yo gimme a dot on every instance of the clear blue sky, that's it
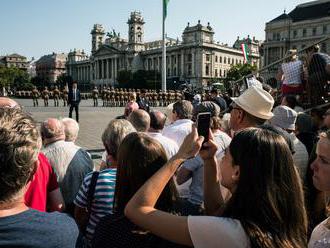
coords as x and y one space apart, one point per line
39 27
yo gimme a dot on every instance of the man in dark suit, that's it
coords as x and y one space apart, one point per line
142 101
74 100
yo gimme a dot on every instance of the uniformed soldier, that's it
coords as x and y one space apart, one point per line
45 96
95 95
35 95
56 96
65 95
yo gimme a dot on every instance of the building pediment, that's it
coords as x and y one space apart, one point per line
106 50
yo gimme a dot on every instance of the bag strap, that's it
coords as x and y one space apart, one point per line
91 191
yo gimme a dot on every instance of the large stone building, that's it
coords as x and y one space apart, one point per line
14 60
306 24
197 58
50 67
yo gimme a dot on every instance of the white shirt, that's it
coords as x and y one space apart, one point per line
320 236
215 232
171 148
178 130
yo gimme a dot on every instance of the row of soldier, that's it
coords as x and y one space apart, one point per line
111 97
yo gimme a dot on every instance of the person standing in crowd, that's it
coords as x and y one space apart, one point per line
291 74
140 119
71 163
292 102
95 95
139 157
285 118
131 105
45 96
266 208
74 100
215 97
102 203
181 126
35 96
157 124
142 101
194 168
321 180
251 109
21 226
43 192
318 68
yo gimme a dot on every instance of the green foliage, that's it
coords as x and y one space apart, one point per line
237 72
63 80
140 79
14 77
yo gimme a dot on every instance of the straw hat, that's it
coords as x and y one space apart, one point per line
256 102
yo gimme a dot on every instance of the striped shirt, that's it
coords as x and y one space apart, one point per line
103 197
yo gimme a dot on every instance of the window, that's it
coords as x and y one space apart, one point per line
189 70
208 56
294 33
314 31
189 57
207 70
220 73
325 29
220 59
216 59
216 72
229 61
304 32
225 60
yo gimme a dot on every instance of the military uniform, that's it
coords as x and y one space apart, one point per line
35 95
56 96
45 96
95 95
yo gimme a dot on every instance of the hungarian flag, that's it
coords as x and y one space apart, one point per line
245 50
165 3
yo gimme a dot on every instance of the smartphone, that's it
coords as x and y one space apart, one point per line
203 125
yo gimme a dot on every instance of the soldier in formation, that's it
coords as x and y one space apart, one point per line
56 96
45 96
35 96
65 95
95 95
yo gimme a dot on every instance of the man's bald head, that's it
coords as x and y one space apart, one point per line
140 119
6 102
52 130
157 120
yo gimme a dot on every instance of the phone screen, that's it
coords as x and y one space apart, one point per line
203 125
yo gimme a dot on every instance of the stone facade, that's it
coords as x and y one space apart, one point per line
50 67
197 58
15 60
306 24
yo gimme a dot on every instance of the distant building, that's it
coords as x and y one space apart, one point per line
50 67
197 58
14 60
306 24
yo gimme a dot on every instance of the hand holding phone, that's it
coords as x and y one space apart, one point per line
203 125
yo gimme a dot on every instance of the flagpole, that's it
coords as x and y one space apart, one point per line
164 51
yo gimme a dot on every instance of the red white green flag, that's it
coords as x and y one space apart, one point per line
245 50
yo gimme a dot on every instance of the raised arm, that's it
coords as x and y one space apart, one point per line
213 199
141 208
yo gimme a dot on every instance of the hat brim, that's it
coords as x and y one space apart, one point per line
264 116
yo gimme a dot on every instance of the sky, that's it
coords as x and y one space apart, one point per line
38 27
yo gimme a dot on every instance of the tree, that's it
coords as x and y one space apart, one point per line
14 77
237 72
123 78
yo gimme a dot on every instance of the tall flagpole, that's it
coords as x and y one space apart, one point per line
164 49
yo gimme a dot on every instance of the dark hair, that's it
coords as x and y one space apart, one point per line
157 122
140 157
20 143
291 100
268 199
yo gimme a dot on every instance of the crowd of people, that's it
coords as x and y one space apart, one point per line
261 179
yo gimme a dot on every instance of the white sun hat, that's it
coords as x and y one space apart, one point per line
256 102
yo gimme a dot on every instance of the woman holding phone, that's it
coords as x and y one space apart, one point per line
266 208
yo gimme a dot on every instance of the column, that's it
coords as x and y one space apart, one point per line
182 63
193 63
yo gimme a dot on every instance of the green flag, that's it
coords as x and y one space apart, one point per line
165 3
